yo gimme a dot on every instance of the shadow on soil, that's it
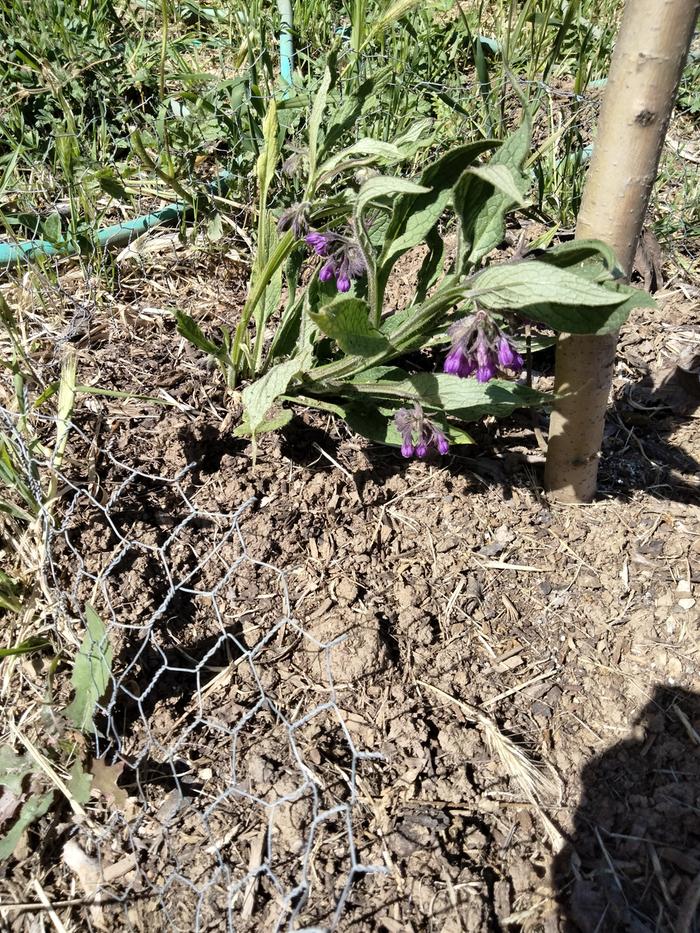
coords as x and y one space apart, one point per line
633 863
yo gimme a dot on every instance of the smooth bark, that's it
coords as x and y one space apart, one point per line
647 63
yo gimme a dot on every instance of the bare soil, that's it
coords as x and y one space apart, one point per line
255 738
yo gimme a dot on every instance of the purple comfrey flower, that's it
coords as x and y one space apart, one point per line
296 219
480 347
414 425
345 261
508 357
327 271
319 242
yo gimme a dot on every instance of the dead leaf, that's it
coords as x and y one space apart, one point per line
84 866
104 779
9 803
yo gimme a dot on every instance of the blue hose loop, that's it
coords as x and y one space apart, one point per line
12 254
286 42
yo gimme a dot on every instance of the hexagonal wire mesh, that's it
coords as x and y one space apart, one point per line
225 808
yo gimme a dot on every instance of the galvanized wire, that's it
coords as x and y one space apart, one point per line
206 829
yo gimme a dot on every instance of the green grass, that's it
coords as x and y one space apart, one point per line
193 78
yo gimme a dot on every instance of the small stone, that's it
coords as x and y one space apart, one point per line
541 710
687 603
347 590
589 581
406 596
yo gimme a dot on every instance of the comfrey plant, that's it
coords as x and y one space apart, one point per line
334 347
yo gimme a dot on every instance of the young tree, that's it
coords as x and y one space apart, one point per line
647 63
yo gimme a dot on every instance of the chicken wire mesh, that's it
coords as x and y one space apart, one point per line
237 799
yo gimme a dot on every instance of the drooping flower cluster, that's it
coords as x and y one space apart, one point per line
344 258
418 433
296 219
479 347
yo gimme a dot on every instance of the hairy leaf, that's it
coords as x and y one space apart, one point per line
91 672
190 330
347 112
347 322
267 160
581 252
523 284
34 808
415 214
13 769
378 188
259 397
502 179
272 424
377 424
482 205
80 782
466 399
379 151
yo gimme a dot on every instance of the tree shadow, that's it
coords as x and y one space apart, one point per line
633 862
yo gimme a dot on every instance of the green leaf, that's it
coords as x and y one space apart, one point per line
376 423
111 184
377 188
52 228
91 672
257 289
521 284
190 330
500 178
35 643
11 604
272 424
581 252
378 151
481 205
393 13
267 160
347 322
215 228
259 397
415 137
34 808
268 243
465 399
10 509
316 118
431 266
414 215
344 114
80 782
13 769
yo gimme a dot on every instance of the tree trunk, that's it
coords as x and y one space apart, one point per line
647 63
